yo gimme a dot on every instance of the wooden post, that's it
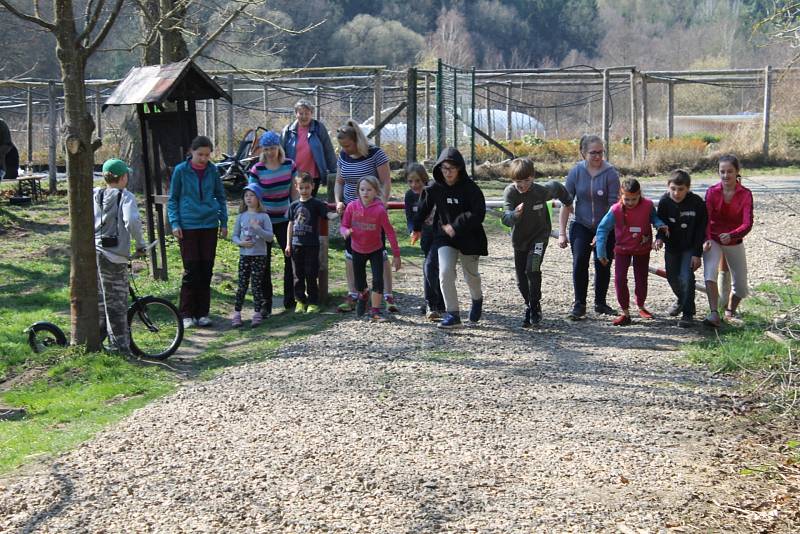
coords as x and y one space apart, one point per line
29 128
767 105
206 117
98 113
606 113
427 116
644 116
324 241
411 116
670 110
214 119
509 127
316 102
634 122
230 116
52 169
265 91
377 104
488 113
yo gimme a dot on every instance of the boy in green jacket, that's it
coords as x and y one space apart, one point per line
525 210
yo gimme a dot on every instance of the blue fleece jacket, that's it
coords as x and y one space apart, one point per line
196 203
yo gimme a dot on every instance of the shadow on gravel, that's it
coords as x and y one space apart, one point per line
64 497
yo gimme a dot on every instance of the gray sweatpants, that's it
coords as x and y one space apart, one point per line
113 279
448 256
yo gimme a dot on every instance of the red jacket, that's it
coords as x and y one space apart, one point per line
735 218
367 224
632 231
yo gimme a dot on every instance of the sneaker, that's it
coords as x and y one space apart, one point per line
526 322
578 312
188 322
475 311
675 309
204 321
712 320
348 305
451 320
257 319
644 314
312 308
236 319
391 305
687 321
604 309
433 315
536 314
300 308
376 316
622 320
361 306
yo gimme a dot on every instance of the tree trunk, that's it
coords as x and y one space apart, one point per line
78 129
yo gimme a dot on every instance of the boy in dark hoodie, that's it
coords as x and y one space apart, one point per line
525 211
458 232
685 215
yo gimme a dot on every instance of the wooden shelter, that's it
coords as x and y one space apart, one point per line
164 96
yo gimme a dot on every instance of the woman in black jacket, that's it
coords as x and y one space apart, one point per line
458 232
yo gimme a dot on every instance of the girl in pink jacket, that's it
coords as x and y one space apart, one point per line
730 218
365 221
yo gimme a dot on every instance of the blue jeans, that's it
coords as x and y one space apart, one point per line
580 238
430 270
681 279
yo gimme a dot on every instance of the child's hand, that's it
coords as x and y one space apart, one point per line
563 241
449 230
340 207
665 229
396 263
288 251
518 209
594 242
695 262
415 237
604 262
724 238
706 246
657 244
246 244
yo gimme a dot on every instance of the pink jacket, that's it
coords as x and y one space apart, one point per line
736 218
367 224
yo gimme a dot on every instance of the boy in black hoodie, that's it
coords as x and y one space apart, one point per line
685 215
458 232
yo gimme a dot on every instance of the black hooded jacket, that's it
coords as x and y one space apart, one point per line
461 205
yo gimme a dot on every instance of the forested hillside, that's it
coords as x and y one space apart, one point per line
484 33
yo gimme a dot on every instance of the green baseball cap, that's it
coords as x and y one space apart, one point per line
117 167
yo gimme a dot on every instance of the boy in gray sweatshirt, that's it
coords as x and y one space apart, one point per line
525 211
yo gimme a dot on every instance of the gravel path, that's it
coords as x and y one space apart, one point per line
403 428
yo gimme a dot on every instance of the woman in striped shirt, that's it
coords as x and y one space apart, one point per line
274 174
358 159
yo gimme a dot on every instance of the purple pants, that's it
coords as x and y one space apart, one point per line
621 264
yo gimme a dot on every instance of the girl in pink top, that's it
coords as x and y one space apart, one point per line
730 218
363 221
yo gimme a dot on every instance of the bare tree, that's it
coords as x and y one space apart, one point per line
451 41
783 25
78 35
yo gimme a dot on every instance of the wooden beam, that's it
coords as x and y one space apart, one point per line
375 132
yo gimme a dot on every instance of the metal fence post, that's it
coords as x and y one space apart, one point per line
52 169
440 112
427 117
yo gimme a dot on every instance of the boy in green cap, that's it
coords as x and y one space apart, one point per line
116 220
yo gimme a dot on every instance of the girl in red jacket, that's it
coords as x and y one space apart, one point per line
730 218
630 219
363 221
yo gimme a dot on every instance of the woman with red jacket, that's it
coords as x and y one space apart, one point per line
730 218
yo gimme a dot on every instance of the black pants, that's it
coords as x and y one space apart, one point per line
279 229
580 238
250 268
305 261
375 259
528 267
198 249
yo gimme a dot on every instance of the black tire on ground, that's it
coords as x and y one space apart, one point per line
43 336
156 328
